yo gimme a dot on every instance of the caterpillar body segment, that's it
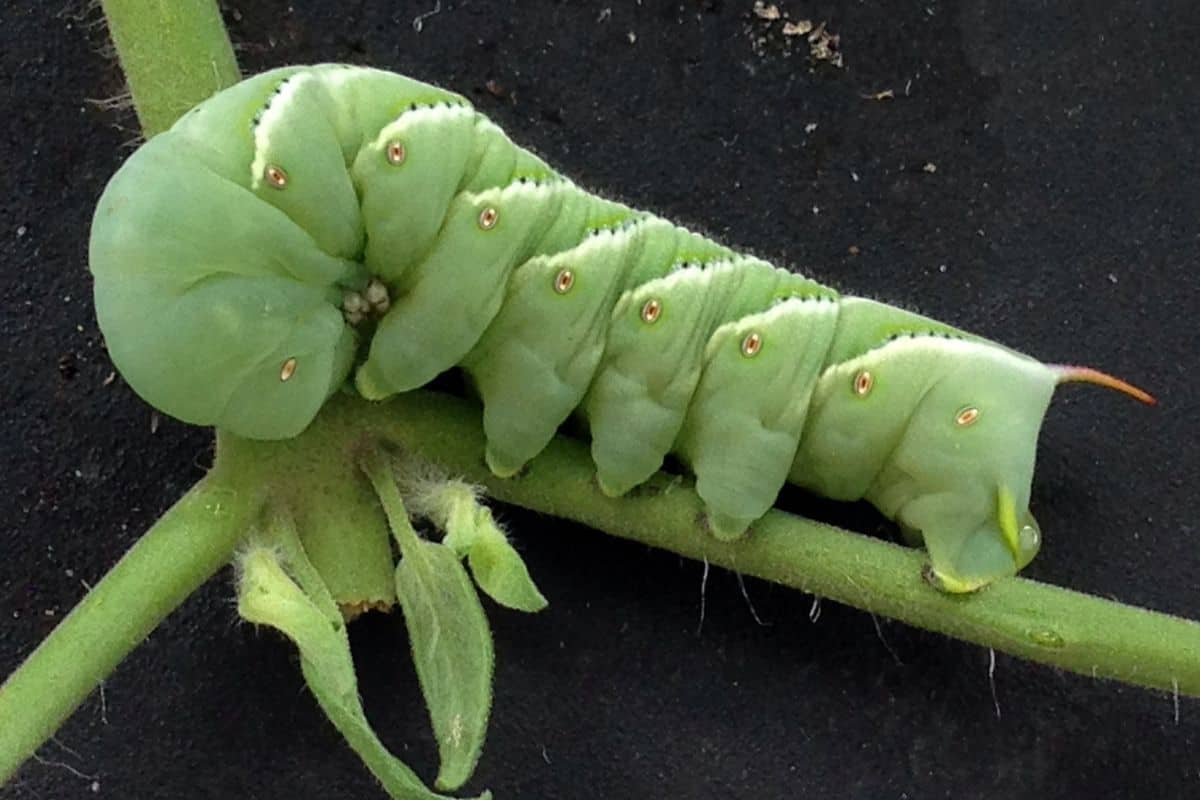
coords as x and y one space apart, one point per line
740 443
311 227
532 381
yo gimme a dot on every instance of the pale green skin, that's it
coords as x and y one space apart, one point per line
209 279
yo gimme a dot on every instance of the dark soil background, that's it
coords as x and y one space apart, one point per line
1063 217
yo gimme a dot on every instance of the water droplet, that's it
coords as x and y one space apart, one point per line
1030 538
1046 638
220 503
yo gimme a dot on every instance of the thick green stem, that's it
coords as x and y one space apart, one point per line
1066 629
174 53
194 539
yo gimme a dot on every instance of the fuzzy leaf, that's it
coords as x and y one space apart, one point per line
499 569
457 513
449 634
267 595
452 651
472 532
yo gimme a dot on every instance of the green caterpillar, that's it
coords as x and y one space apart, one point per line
314 225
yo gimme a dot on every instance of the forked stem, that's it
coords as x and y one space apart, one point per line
174 54
193 540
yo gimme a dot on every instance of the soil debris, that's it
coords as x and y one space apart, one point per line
496 89
823 45
767 11
798 28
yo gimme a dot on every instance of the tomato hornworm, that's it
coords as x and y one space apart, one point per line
317 228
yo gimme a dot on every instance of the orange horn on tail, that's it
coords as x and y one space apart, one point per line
1071 374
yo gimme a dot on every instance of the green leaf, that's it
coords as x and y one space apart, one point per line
267 595
499 569
456 513
449 634
472 532
452 651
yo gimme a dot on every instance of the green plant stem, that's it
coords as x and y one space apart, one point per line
174 53
1043 623
194 539
378 469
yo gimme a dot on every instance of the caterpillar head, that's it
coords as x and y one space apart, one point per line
216 310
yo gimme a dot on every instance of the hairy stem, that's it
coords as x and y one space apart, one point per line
378 468
194 539
174 54
1043 623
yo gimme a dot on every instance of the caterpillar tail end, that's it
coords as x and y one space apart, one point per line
1068 373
